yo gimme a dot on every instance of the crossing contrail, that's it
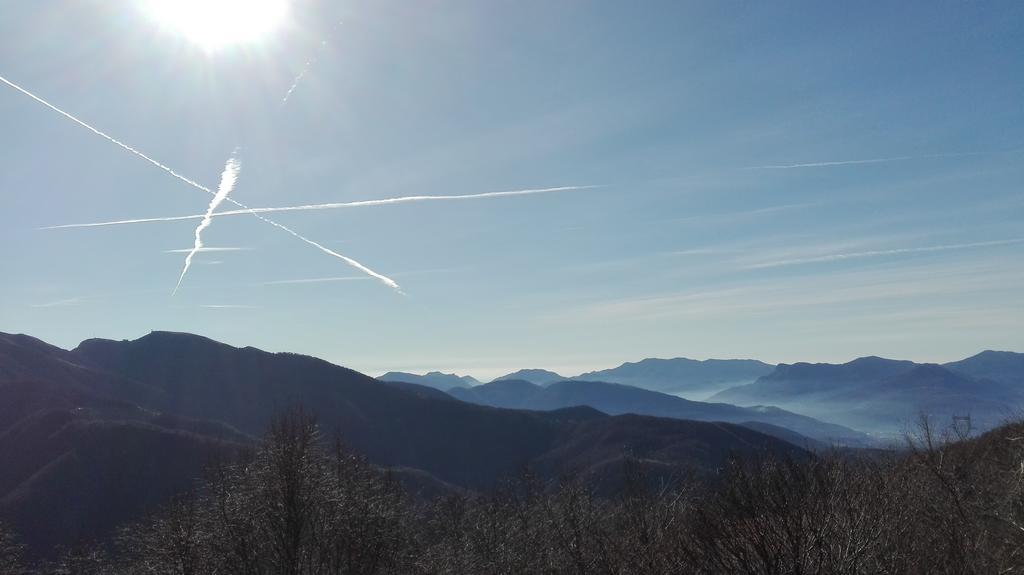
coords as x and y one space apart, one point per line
384 279
328 206
227 183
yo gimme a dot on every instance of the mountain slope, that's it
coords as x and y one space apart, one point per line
681 376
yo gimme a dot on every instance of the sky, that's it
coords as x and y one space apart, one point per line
788 181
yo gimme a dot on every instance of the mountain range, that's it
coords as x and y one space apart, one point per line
884 397
690 378
95 436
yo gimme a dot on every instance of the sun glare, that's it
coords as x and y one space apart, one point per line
215 24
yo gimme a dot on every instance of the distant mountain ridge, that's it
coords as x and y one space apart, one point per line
694 379
890 395
1005 367
691 378
535 376
435 379
618 399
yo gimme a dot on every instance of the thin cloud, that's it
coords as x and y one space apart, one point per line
717 218
59 303
384 279
228 178
228 306
704 251
890 252
857 162
314 280
906 287
328 206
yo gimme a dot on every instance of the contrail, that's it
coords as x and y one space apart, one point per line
295 84
227 183
897 251
384 279
306 68
302 74
855 162
387 281
108 137
329 206
205 249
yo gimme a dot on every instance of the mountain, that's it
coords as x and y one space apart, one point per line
93 437
882 395
803 380
1004 367
420 390
680 376
79 455
599 450
536 376
435 379
507 393
617 399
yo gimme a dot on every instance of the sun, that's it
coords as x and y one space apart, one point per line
215 24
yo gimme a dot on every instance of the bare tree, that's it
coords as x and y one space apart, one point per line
10 552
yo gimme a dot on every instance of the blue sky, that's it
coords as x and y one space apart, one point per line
785 181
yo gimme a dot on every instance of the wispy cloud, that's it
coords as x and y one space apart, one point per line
314 280
228 178
905 287
59 303
384 279
890 252
718 218
857 162
228 306
712 251
327 206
